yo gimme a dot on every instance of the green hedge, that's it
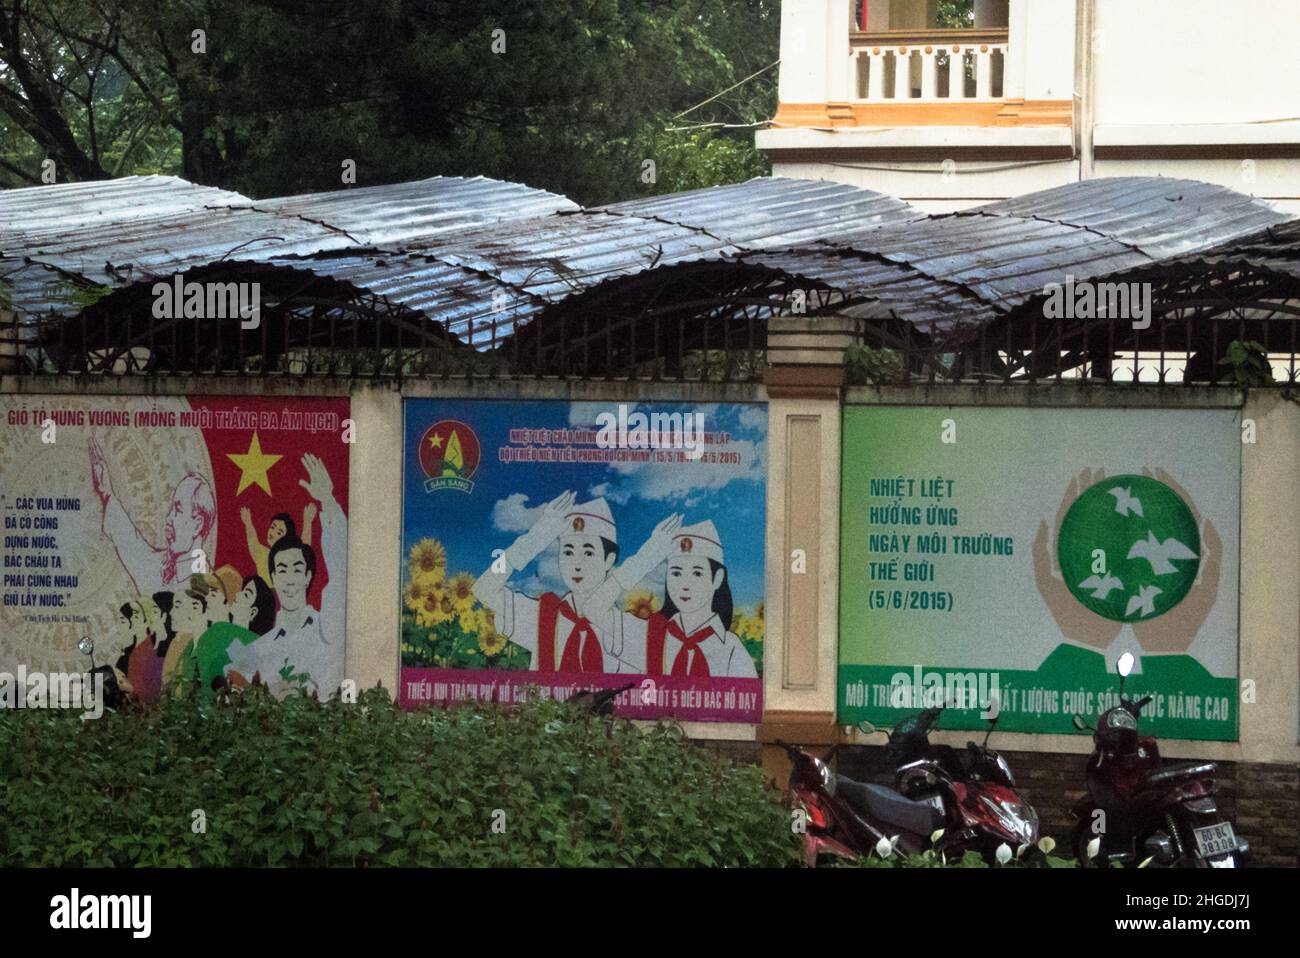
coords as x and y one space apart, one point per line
366 784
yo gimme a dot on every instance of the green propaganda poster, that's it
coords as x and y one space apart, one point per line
1012 555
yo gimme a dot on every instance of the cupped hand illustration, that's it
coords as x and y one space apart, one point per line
1076 621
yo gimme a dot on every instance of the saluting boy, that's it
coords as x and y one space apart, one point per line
582 630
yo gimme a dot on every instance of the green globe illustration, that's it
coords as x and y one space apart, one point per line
1129 548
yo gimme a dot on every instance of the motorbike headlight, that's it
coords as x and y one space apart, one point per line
1016 818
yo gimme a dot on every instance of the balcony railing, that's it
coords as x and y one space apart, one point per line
929 66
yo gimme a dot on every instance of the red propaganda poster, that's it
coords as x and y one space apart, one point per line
198 540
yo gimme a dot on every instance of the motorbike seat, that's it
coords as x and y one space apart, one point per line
889 807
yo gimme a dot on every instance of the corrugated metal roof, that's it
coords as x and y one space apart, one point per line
468 254
395 214
35 213
977 263
463 278
770 212
117 232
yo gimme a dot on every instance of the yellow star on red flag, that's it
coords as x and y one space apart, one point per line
254 466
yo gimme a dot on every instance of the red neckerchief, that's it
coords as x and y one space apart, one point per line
582 651
699 666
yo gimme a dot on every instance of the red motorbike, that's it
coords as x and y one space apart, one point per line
847 819
973 788
1140 810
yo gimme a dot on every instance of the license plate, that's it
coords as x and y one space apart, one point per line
935 800
1215 839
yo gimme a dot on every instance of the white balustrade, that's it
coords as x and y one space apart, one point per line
929 72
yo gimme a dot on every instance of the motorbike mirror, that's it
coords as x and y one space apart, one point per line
866 728
1126 662
86 646
1079 723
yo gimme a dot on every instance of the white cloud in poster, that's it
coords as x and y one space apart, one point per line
513 514
659 483
610 492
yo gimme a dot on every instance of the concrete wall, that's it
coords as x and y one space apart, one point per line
803 514
1197 61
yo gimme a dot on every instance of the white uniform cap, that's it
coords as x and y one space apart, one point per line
700 539
591 519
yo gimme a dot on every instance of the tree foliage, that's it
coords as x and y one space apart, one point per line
273 95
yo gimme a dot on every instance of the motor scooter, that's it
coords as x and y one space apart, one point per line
973 788
846 819
1141 811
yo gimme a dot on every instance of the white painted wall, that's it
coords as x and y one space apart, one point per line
815 63
1043 35
1197 61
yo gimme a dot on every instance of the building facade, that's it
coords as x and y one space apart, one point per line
948 105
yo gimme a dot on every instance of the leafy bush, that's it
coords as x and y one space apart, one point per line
1247 363
366 784
865 366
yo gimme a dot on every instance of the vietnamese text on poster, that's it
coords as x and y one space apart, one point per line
198 540
1015 554
565 546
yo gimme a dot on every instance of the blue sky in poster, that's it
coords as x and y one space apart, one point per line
497 509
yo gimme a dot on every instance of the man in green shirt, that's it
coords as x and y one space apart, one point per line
249 613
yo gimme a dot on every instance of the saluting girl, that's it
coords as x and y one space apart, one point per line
689 636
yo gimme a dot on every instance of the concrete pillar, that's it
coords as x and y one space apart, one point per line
991 13
805 42
800 656
374 538
839 81
1270 578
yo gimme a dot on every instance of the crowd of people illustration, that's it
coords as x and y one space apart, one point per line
191 627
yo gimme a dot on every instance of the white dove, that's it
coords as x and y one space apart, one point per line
1144 602
1101 586
1126 502
1159 553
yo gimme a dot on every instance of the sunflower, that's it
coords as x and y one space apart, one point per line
468 620
461 590
641 602
435 608
491 643
415 593
428 560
